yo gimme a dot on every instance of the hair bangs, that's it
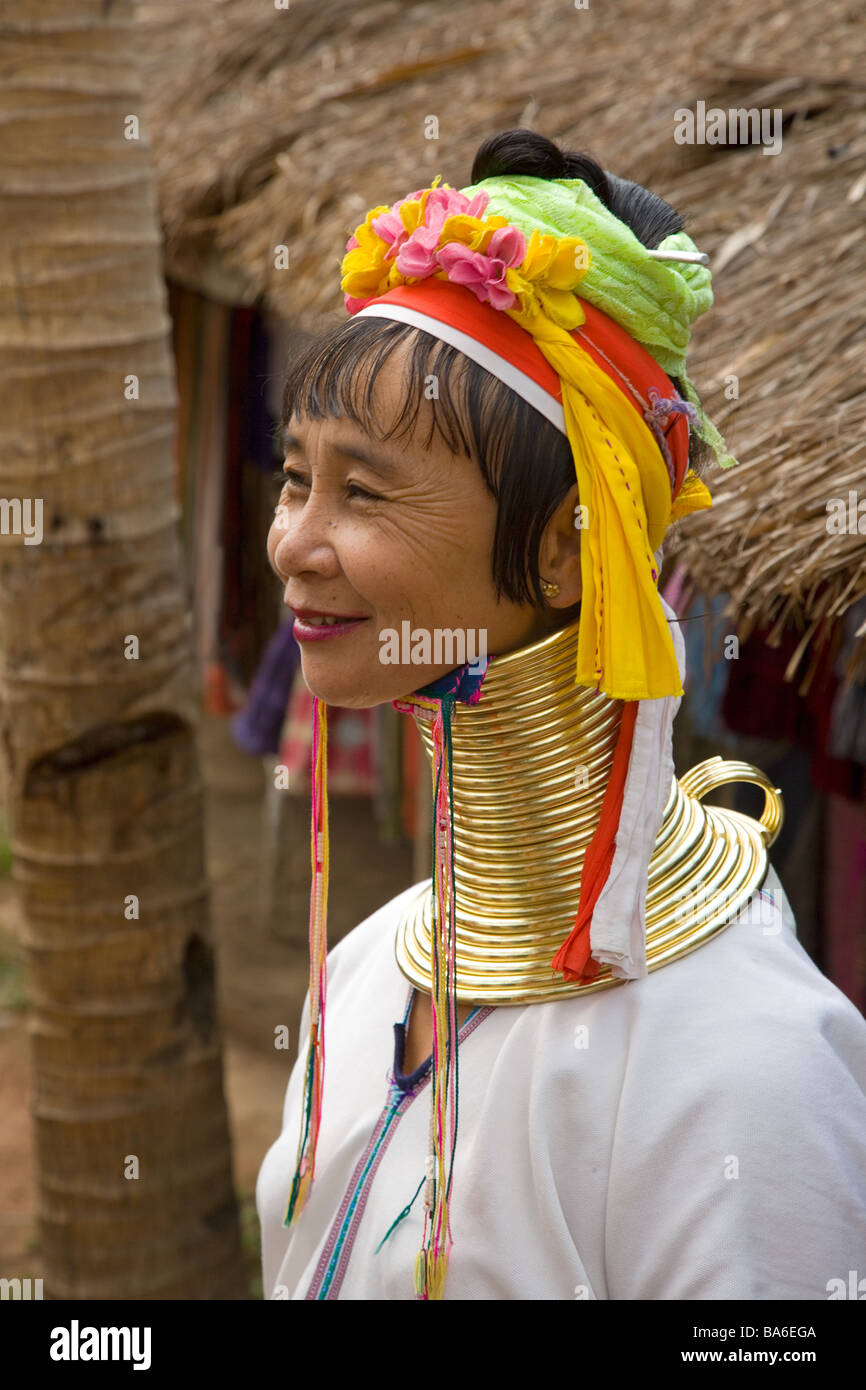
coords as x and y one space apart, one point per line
525 461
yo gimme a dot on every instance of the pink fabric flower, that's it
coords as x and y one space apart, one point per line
389 227
483 275
441 203
416 254
416 257
508 244
448 202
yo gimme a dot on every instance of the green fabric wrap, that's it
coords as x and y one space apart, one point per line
655 301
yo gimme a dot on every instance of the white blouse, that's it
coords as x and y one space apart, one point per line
697 1134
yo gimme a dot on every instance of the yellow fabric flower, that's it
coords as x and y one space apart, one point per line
363 267
470 231
561 262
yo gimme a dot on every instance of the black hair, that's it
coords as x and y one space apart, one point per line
526 462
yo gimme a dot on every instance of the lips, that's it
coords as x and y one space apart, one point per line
313 625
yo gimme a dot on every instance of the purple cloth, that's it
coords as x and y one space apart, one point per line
257 727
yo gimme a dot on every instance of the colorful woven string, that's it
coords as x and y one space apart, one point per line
432 1260
314 1076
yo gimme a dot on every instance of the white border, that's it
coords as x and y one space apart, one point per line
498 366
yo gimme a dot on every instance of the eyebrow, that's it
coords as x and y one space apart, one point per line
385 467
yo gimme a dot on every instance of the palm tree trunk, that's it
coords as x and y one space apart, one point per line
99 706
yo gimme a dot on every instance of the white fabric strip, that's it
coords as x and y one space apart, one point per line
617 933
498 366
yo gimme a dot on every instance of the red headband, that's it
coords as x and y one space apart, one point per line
624 360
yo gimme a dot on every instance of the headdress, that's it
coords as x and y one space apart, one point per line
538 282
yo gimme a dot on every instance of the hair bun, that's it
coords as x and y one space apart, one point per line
517 152
527 152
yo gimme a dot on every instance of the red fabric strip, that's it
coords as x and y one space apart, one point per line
457 305
573 959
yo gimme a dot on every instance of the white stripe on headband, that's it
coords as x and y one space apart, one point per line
500 367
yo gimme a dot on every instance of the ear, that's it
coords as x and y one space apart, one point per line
559 551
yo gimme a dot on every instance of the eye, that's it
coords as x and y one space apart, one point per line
362 492
289 477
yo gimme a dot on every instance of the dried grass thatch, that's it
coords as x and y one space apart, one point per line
282 127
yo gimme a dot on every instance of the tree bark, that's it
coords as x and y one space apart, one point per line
99 705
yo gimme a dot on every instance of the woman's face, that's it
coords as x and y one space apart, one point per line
403 537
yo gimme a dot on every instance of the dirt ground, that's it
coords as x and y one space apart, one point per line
258 856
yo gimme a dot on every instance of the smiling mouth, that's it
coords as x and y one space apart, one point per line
313 627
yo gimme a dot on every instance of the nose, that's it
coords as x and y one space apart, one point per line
303 536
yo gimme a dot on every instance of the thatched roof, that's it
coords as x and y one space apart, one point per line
282 127
791 324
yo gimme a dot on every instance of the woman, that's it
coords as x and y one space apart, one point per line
590 1060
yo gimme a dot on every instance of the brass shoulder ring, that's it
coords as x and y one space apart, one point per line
717 772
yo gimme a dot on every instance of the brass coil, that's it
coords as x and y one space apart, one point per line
531 762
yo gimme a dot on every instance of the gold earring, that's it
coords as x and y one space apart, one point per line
550 590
